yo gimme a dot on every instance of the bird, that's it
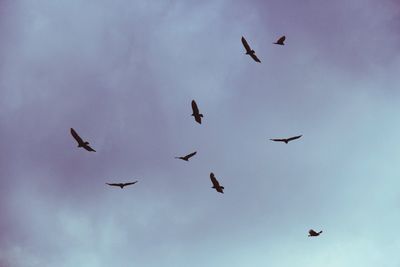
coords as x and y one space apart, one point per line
313 233
281 40
81 143
196 114
250 51
286 140
187 157
122 184
215 183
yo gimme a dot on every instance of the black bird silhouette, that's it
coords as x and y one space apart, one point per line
215 183
281 40
286 140
122 184
313 233
187 157
250 51
196 114
81 143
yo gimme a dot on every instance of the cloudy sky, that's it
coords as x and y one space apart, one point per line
123 74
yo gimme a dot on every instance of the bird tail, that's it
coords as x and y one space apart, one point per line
201 115
319 232
222 187
86 143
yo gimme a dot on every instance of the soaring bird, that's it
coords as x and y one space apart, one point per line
81 143
281 40
250 51
187 157
196 114
122 184
215 183
313 233
286 140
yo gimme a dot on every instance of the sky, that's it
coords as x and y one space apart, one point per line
123 73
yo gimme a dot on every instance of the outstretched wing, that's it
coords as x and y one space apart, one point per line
253 56
246 45
194 107
281 40
114 184
214 180
294 137
76 136
130 183
197 118
89 148
278 140
190 155
312 232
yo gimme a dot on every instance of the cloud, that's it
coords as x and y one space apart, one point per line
123 75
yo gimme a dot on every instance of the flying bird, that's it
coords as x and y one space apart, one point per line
215 183
196 114
81 143
286 140
187 157
250 51
313 233
122 184
281 40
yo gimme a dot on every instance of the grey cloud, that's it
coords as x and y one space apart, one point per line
123 75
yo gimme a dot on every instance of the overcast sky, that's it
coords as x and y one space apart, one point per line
122 73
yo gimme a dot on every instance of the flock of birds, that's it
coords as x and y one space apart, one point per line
198 118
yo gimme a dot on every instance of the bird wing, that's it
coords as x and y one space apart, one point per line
312 232
281 40
114 184
197 118
294 137
253 56
194 107
190 155
76 136
278 140
130 183
89 148
246 45
214 180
